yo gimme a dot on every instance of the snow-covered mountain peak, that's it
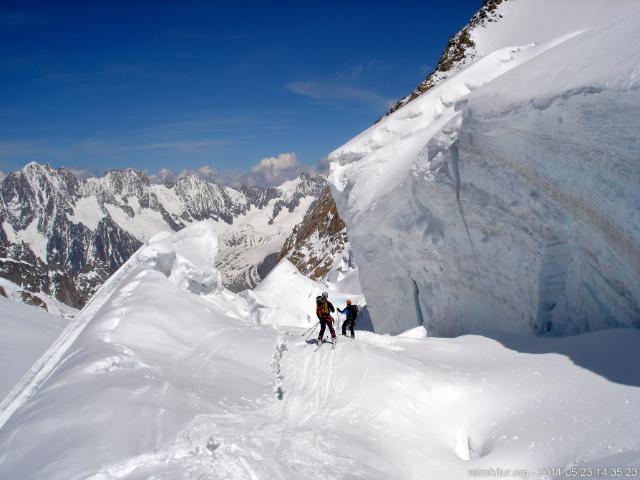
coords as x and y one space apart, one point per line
37 190
43 181
125 183
289 187
202 199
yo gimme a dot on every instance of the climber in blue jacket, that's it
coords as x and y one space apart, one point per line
351 311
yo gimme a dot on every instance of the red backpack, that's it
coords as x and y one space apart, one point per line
322 307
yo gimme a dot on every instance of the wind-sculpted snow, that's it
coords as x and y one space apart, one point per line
506 197
167 380
187 257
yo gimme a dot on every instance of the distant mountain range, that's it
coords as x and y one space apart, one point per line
64 237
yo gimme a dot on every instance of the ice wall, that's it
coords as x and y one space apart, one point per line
507 198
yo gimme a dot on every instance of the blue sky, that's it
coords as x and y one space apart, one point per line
220 85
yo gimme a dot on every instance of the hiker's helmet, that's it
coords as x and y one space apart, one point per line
325 294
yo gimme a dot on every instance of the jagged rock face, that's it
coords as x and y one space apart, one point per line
291 200
64 237
20 265
204 200
459 51
38 192
31 299
317 239
127 183
111 245
36 205
258 196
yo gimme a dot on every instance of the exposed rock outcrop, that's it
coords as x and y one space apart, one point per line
317 239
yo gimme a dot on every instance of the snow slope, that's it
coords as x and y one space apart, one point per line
505 198
287 297
171 379
27 331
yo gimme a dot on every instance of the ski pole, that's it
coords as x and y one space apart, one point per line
309 336
311 329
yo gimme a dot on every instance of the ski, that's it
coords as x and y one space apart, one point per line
333 344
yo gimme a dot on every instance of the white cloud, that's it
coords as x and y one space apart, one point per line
207 172
274 170
283 161
166 175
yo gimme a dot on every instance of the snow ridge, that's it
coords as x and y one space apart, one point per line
31 382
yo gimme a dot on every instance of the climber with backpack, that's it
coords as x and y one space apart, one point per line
324 308
351 311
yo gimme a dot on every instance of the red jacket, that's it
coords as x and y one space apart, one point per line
320 310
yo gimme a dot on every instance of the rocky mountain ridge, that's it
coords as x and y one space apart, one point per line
460 50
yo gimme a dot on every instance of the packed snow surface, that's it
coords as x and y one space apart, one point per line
27 331
506 197
172 378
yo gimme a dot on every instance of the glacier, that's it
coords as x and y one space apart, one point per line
506 197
